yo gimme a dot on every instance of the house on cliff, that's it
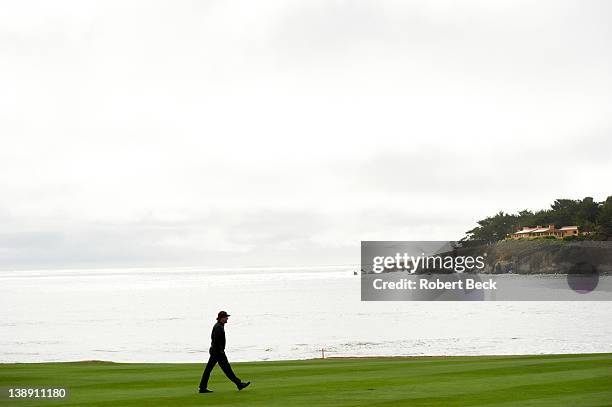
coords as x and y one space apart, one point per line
544 231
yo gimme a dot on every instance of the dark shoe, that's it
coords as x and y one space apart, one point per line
242 385
205 391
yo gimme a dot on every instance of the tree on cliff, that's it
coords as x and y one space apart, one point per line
588 215
493 228
604 220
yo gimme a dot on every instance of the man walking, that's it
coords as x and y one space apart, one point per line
217 355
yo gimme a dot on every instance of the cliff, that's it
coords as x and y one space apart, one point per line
549 256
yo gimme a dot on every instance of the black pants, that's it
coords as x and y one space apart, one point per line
216 357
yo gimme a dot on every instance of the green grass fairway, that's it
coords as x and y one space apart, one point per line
551 380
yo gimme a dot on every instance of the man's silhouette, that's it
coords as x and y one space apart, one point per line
217 355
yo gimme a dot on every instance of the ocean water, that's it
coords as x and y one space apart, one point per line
166 315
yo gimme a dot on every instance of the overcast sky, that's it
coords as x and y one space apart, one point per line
208 133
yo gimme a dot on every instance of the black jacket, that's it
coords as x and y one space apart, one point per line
217 339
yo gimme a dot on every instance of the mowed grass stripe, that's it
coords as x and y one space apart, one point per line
592 399
547 380
426 375
448 366
521 394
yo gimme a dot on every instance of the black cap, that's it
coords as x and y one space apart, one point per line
222 314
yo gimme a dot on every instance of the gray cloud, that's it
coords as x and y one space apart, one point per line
286 132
